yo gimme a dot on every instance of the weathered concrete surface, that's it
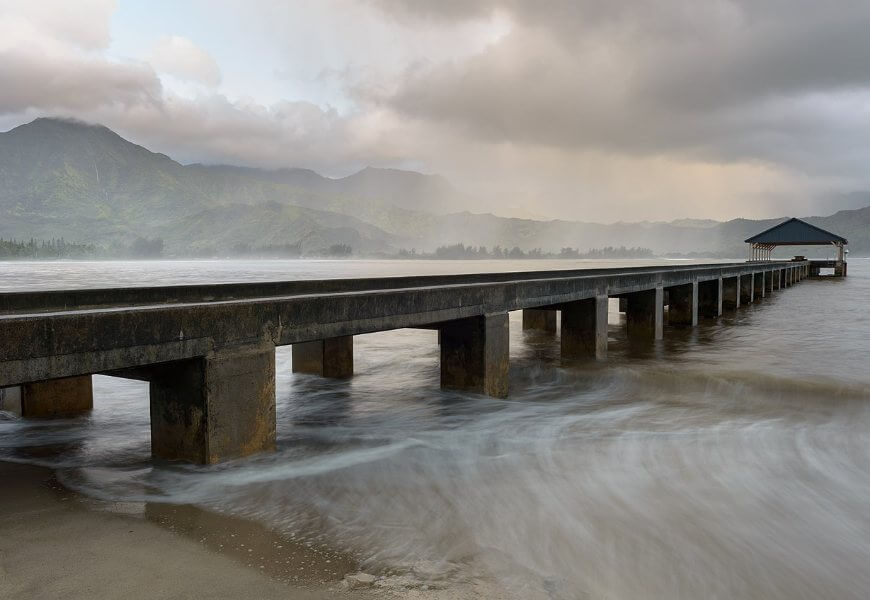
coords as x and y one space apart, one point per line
210 409
539 319
747 288
710 298
731 292
66 397
584 328
644 317
332 357
683 304
474 354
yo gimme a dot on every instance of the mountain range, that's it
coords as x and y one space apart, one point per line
85 183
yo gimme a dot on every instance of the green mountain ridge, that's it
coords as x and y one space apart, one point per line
61 178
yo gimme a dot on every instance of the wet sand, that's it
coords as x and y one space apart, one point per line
56 544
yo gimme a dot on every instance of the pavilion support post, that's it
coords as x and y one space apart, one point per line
540 319
731 292
746 288
210 409
475 354
331 357
584 328
645 314
683 304
710 298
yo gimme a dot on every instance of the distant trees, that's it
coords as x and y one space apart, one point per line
54 248
339 250
461 251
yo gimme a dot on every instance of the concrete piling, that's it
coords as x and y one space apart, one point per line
65 397
474 354
683 304
710 298
731 292
210 409
331 357
645 314
539 319
584 328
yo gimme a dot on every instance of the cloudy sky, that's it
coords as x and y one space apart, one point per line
580 109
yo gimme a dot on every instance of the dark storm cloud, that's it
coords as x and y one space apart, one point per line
727 80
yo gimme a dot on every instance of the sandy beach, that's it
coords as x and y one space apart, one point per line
57 544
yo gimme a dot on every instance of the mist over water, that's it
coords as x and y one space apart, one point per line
727 461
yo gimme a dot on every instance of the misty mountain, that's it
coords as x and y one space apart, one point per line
85 183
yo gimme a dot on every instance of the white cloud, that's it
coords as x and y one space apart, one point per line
180 57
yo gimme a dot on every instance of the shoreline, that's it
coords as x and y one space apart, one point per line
55 543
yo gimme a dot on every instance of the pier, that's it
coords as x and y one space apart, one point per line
208 352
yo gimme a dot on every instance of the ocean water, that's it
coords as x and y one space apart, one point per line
731 460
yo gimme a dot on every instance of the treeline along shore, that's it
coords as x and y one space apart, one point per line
144 248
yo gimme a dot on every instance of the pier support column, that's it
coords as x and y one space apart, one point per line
584 329
758 285
540 319
710 298
768 283
746 288
331 357
644 316
475 354
683 304
623 304
210 409
731 292
66 397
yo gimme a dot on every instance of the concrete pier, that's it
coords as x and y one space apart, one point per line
331 357
710 298
539 319
474 354
65 397
731 292
208 350
683 304
644 315
584 328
